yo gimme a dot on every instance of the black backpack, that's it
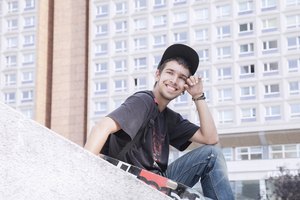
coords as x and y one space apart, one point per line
140 137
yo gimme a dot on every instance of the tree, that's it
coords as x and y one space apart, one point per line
285 185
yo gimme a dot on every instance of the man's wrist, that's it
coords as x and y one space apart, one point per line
199 97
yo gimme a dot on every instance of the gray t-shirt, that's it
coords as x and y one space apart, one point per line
169 129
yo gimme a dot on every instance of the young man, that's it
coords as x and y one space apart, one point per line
175 75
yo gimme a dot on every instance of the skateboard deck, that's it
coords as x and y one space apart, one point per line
169 187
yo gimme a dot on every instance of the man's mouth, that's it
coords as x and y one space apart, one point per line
171 88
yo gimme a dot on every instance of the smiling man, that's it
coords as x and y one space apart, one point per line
174 76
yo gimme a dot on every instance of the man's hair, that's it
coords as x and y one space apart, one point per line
179 60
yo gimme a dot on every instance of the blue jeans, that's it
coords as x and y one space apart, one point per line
206 164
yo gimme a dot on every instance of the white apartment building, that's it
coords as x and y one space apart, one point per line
249 58
17 50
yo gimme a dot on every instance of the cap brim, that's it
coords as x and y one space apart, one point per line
183 51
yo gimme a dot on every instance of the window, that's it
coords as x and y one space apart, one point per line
271 90
120 85
29 22
225 94
27 77
248 189
11 61
29 58
294 87
272 112
12 42
140 83
181 100
140 63
294 65
179 1
140 24
121 46
10 79
101 88
284 151
29 40
293 43
295 110
201 14
203 55
268 5
246 28
248 114
121 26
223 11
269 25
247 92
204 74
270 46
246 49
120 65
228 153
223 31
12 24
101 29
245 7
101 107
101 68
159 3
293 21
225 117
160 20
28 112
249 153
271 68
102 10
181 17
247 71
140 43
224 52
180 37
224 73
13 6
292 2
140 4
201 34
29 4
10 97
160 40
101 49
121 7
27 96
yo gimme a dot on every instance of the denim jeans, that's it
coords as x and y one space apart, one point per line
207 165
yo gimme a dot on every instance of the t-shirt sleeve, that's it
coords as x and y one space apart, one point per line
180 130
132 113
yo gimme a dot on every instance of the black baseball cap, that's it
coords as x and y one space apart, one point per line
182 51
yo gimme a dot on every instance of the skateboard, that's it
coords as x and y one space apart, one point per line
169 187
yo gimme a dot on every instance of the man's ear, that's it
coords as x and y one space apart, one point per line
157 75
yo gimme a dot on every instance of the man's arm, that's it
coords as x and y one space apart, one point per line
99 134
207 133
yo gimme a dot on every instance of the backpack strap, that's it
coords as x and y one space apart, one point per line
141 134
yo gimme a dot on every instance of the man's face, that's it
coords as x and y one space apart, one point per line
171 80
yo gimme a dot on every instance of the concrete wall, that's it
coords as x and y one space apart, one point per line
37 163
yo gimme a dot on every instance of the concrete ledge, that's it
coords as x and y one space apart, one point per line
37 163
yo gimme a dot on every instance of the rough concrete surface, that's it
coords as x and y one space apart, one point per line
37 163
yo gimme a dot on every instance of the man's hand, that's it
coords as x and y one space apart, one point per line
194 86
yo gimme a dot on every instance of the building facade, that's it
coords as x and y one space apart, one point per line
69 69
